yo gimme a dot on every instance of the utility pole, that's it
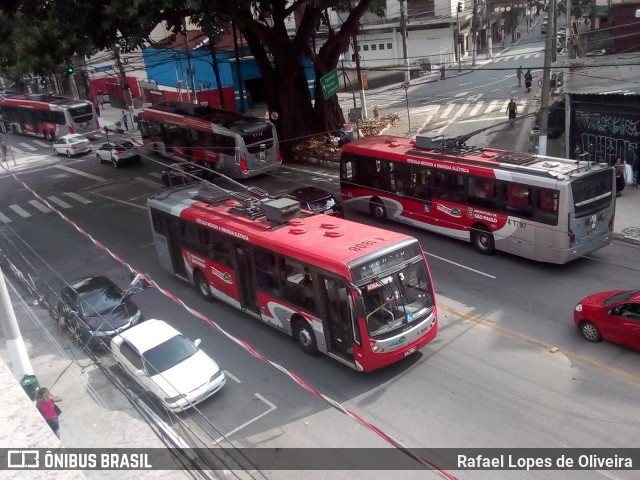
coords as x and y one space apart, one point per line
474 32
238 69
15 344
568 42
189 63
363 103
128 100
403 33
546 87
489 31
458 42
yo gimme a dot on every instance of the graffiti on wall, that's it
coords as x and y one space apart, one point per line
607 136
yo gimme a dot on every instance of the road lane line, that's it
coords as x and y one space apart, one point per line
271 406
42 144
232 377
117 200
77 197
79 172
609 475
23 213
460 265
4 218
39 206
148 182
28 147
59 202
156 174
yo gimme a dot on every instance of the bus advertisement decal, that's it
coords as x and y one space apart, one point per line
224 276
454 212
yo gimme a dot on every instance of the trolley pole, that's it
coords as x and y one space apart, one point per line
15 344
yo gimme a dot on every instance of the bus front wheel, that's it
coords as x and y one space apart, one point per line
203 286
304 336
378 210
483 241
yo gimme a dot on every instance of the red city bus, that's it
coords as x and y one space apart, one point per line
233 144
48 115
359 294
543 208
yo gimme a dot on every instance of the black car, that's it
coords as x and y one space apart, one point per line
183 173
317 200
96 309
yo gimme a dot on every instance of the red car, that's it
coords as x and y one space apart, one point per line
613 315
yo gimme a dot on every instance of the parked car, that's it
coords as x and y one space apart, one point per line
183 173
118 154
95 309
170 366
545 23
612 315
317 200
72 144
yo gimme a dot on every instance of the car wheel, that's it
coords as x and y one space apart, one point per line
305 337
69 153
378 211
483 240
590 331
203 286
114 162
61 315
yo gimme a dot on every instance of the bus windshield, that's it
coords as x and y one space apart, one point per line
82 113
395 300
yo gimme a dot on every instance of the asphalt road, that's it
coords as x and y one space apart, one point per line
490 378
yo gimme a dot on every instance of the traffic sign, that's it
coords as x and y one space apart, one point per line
103 68
405 85
541 82
329 84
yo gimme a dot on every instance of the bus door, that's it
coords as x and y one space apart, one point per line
175 246
338 318
246 280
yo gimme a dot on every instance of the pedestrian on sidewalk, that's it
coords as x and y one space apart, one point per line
512 109
620 167
519 75
125 120
527 80
45 403
96 105
442 71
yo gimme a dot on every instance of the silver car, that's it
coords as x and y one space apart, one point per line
118 154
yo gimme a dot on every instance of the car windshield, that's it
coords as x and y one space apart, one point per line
168 354
398 299
101 301
620 297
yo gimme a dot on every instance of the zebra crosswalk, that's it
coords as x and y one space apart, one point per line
467 111
21 212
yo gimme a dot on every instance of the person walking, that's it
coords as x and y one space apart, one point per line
620 167
519 75
45 403
125 120
442 71
527 80
512 110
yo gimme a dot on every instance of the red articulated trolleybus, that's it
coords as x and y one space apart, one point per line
543 208
236 145
48 115
360 294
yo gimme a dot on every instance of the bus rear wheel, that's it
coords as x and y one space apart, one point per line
378 210
483 240
303 334
203 286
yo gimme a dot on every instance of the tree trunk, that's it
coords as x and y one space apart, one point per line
216 71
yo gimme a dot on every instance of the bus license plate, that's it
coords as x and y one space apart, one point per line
410 351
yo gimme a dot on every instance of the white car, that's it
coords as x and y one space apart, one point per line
161 360
72 144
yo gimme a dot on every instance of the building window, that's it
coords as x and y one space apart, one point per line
358 47
381 46
365 48
374 46
389 47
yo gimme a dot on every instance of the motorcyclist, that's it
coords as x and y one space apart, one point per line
527 80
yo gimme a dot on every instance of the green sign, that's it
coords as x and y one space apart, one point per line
330 84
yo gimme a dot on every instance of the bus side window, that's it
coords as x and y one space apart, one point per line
519 198
347 171
265 272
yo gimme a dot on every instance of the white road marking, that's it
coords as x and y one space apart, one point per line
609 475
232 377
23 213
460 111
142 207
77 197
27 146
149 183
59 202
4 218
42 144
271 406
156 174
491 106
447 111
84 174
476 108
40 206
460 265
